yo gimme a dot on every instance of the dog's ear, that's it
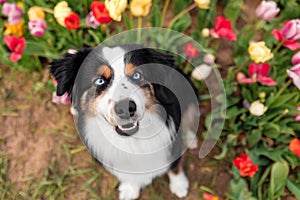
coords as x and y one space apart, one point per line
66 68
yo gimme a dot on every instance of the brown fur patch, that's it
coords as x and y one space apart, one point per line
105 71
130 69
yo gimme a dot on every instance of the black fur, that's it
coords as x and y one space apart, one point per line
65 70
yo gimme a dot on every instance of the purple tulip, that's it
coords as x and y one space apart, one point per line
2 1
294 74
91 21
13 12
291 30
37 27
267 10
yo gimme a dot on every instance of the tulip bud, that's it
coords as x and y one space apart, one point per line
291 29
205 32
296 58
267 10
257 108
201 72
262 95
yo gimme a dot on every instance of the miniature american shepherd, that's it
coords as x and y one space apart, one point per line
133 110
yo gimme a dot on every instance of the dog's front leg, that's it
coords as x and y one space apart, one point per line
128 191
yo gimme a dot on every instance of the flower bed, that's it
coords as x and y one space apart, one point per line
260 137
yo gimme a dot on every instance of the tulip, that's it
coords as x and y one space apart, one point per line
209 58
201 72
245 165
297 116
257 108
203 4
259 52
294 74
291 30
2 1
72 21
223 29
258 73
296 58
16 46
14 29
295 146
100 12
205 32
91 21
191 51
13 12
116 8
61 11
35 13
267 10
140 8
37 27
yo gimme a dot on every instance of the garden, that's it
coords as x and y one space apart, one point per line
251 46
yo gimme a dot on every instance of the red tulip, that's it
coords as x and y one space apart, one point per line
72 21
289 33
223 29
16 46
191 51
100 12
258 73
245 165
295 146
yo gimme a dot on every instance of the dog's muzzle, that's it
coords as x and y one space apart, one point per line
125 110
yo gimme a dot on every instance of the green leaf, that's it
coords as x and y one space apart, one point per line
239 189
254 137
294 188
271 130
278 179
233 10
182 23
283 99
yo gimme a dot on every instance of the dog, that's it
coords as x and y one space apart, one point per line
130 108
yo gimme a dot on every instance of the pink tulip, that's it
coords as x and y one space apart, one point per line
2 1
294 74
291 30
37 27
91 20
267 10
13 12
296 58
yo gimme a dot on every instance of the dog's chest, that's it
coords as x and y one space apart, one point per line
147 151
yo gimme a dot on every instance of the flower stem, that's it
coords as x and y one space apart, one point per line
283 88
188 9
47 10
139 25
163 15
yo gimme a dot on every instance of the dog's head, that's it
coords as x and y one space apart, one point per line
118 83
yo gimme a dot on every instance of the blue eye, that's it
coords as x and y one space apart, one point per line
136 76
99 81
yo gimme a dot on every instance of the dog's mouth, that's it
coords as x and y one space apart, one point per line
127 129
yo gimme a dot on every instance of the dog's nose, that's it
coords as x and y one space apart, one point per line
125 108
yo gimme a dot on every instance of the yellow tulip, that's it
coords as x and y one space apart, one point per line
203 4
257 108
116 8
14 29
140 8
259 52
35 13
61 11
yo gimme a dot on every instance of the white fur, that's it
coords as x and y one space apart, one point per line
179 184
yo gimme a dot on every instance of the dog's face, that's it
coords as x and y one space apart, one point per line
119 84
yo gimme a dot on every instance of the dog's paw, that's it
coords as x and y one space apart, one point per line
128 191
179 184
